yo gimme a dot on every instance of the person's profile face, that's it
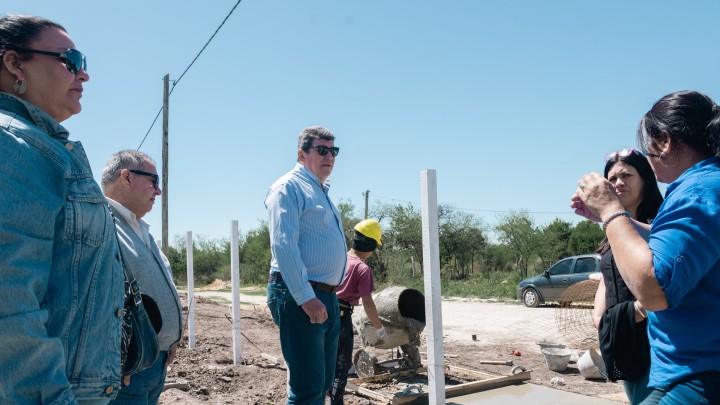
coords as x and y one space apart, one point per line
317 164
50 85
143 189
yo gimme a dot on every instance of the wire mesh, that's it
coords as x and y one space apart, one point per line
574 315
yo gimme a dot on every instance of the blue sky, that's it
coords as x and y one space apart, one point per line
509 101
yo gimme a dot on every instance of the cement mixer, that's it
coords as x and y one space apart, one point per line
402 312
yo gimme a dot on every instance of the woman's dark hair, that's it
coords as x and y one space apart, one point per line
687 116
651 197
17 31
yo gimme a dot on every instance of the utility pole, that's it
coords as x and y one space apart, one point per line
367 195
166 103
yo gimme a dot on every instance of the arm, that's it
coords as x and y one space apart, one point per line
599 307
371 311
32 363
632 253
284 226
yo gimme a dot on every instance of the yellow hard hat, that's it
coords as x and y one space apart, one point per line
371 229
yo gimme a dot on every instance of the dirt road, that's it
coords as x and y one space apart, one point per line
491 322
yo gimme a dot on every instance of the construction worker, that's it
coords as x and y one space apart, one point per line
358 284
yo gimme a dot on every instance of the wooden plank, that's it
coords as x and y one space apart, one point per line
387 376
464 389
367 393
477 386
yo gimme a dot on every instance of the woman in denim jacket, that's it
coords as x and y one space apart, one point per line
61 278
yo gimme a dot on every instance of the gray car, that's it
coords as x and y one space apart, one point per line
552 283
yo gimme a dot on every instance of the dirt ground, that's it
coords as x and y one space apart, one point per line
206 374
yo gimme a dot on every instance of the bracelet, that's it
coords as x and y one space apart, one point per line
638 310
613 216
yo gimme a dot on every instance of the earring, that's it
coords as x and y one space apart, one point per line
677 159
20 86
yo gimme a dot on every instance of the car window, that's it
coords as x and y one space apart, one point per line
585 265
562 267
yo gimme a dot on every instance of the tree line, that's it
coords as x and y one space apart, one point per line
521 247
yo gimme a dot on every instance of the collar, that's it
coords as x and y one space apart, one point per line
300 168
139 225
697 167
33 114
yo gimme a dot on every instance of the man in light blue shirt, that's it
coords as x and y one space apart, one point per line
308 262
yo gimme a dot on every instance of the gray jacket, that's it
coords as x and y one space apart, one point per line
155 278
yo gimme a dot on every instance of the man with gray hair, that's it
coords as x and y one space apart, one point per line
130 184
308 261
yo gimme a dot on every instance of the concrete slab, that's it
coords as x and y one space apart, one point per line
528 394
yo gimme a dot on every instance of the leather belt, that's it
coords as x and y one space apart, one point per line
276 276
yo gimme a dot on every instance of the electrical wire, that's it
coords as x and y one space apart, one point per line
481 210
175 82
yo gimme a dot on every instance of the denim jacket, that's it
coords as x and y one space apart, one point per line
61 280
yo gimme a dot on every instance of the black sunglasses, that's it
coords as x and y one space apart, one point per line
155 177
73 59
323 150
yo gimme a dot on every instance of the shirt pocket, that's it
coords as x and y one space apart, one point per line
87 217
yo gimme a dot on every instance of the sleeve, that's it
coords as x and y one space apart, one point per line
284 210
32 364
684 244
365 280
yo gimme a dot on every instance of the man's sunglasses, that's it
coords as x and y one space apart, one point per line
73 59
323 150
155 177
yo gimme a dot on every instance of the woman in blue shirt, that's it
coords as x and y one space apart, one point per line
675 274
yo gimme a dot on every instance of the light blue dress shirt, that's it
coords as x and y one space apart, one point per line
306 235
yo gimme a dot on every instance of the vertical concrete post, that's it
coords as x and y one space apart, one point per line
190 290
235 279
431 270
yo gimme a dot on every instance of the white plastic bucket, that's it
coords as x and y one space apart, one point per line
591 365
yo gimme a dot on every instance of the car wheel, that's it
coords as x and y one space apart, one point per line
531 298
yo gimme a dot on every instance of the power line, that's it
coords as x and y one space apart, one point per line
481 210
175 82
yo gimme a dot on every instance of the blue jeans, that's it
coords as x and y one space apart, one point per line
344 358
309 349
145 386
697 389
637 391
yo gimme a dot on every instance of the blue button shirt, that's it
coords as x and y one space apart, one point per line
685 242
306 235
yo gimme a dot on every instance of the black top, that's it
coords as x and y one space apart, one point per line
616 291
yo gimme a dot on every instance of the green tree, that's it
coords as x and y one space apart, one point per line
462 241
585 238
211 258
255 255
517 230
555 241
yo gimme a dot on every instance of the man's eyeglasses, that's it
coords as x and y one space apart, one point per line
620 154
155 177
73 59
323 150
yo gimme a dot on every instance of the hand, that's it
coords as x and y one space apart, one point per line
372 336
595 197
381 334
316 310
171 354
126 380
